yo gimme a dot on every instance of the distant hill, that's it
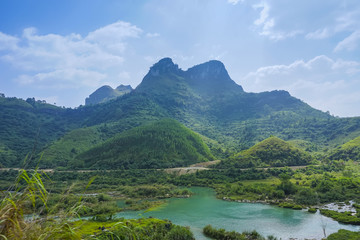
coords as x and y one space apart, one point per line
162 144
106 93
29 125
347 151
272 151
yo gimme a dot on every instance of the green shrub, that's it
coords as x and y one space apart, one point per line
312 210
297 207
221 234
103 197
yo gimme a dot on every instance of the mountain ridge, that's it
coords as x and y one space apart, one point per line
206 101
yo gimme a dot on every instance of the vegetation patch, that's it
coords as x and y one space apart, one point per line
290 205
221 233
344 234
129 229
312 210
345 217
347 151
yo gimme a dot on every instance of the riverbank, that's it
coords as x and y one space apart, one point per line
346 213
204 208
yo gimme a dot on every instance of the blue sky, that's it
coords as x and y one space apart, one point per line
61 51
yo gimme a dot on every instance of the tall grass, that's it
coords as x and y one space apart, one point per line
20 218
25 214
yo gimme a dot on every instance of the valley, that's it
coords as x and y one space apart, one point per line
182 139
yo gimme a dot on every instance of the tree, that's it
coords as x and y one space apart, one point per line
285 185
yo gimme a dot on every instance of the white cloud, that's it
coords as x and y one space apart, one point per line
318 34
350 43
265 24
8 42
72 61
152 35
234 2
264 14
117 32
111 37
62 79
343 23
348 21
322 82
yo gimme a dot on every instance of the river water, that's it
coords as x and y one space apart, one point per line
204 208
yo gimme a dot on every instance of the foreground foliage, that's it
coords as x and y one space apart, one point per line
144 229
21 217
13 223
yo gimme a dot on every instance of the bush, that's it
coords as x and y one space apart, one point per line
180 233
220 234
297 207
312 210
103 197
101 218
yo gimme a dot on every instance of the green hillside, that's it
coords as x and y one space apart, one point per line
69 146
347 151
28 126
77 141
272 151
162 144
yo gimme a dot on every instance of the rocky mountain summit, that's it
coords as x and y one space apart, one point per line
106 93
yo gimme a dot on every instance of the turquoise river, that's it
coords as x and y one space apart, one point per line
204 208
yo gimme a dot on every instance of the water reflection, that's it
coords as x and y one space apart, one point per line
204 208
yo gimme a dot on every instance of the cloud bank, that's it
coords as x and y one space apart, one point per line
73 61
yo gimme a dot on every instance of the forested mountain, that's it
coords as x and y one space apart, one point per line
208 101
203 98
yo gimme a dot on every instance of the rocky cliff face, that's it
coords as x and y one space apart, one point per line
211 78
206 79
106 93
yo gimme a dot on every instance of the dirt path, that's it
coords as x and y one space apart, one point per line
204 166
178 171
